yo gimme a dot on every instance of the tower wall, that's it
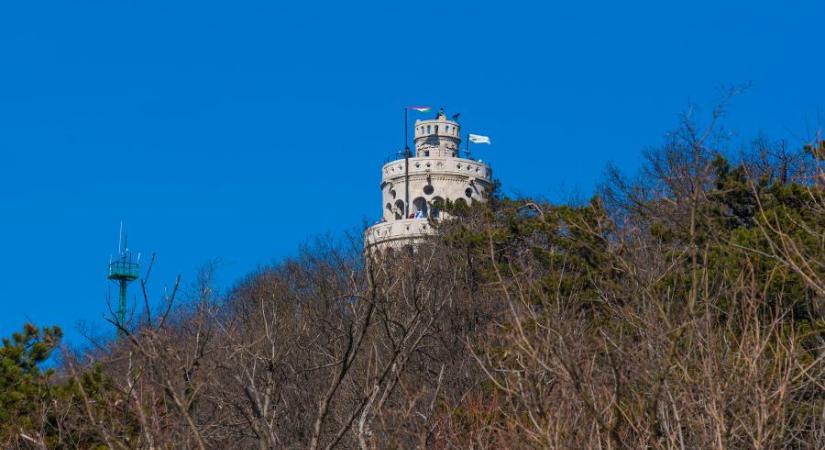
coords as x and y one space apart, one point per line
431 178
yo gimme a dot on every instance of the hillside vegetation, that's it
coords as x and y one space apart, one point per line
683 308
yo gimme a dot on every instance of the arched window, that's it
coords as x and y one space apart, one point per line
428 128
436 205
460 207
399 209
420 207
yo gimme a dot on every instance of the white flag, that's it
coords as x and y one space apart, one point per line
479 139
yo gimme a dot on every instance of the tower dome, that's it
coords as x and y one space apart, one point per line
414 188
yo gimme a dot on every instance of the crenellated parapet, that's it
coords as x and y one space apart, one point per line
456 167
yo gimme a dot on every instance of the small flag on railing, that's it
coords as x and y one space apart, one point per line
479 139
420 108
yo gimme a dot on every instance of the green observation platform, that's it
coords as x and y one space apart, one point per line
124 269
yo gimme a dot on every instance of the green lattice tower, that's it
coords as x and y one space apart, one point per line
123 271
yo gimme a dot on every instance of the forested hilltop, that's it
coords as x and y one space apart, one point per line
680 308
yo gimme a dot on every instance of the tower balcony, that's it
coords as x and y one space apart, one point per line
398 233
123 269
393 171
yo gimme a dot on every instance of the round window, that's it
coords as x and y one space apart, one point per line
468 192
428 189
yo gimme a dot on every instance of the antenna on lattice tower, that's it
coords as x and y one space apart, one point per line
123 270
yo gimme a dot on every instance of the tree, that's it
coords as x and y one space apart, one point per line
25 392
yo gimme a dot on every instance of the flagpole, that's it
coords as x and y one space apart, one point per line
406 168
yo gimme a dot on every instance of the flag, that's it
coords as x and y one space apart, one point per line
479 139
420 108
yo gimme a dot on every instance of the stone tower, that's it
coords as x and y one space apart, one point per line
412 188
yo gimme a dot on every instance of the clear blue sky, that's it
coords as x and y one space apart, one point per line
238 130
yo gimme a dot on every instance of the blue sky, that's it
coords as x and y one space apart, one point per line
235 131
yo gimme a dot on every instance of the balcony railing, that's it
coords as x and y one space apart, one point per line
438 165
403 230
399 155
123 270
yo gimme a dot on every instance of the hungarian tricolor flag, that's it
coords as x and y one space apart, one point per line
420 108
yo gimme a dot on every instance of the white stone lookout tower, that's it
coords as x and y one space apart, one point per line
413 186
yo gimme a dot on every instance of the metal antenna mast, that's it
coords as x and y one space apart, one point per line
406 168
